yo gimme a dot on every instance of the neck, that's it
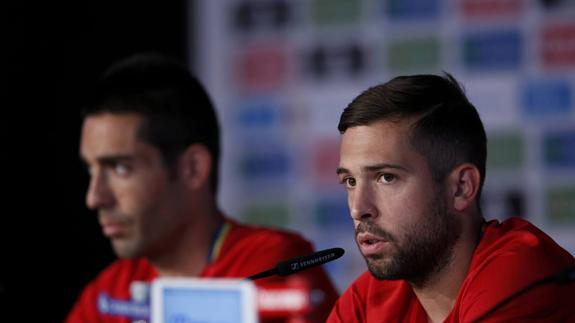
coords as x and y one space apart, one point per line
189 251
439 293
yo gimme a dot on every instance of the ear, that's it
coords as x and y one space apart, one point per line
463 183
195 165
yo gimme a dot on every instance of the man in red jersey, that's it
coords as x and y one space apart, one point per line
412 160
150 141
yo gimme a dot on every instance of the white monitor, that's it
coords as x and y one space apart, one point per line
193 300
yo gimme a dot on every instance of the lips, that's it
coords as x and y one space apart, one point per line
113 229
371 245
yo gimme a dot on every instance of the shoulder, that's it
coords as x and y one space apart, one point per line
510 256
517 244
252 249
249 249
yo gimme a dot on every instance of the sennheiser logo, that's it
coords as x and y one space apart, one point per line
315 260
295 266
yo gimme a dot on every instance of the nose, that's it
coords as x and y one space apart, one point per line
361 203
99 194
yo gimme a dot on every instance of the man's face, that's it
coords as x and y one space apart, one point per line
136 200
403 227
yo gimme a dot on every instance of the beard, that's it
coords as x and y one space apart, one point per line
425 247
128 244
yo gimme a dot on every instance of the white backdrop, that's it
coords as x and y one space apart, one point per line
281 72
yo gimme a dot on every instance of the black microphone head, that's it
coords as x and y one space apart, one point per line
295 265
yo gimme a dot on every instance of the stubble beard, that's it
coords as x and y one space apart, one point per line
126 248
425 248
129 245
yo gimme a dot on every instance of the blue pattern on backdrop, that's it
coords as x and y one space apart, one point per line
546 98
493 50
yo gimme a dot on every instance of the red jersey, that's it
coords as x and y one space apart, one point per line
510 256
120 294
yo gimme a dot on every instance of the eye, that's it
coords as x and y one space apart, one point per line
387 178
121 169
348 182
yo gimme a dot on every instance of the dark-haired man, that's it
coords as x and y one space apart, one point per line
412 160
150 140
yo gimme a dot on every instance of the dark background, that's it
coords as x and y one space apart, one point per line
51 245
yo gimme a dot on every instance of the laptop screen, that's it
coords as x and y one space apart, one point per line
187 300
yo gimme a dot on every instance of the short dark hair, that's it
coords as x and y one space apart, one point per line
448 130
176 110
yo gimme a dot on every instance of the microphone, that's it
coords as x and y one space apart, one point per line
292 266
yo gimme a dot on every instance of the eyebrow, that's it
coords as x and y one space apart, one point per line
373 168
110 160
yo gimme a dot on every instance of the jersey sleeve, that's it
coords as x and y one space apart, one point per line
506 277
511 265
84 310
